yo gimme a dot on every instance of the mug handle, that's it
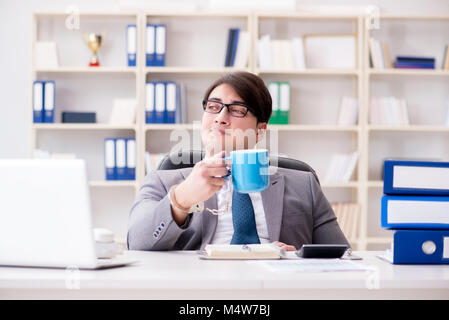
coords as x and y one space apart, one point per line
229 169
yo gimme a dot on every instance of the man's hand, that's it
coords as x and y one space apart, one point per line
284 246
201 184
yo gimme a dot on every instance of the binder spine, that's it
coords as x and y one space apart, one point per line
150 45
120 156
284 102
389 183
109 158
159 104
421 247
49 102
150 113
131 159
384 216
273 88
171 101
160 48
38 101
235 42
131 41
229 48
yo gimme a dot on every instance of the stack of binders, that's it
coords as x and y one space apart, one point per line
165 102
156 35
416 206
43 101
414 63
280 96
120 158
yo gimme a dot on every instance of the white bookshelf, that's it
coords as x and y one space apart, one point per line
419 35
196 45
83 88
286 26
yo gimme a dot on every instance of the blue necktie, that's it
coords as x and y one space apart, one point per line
243 219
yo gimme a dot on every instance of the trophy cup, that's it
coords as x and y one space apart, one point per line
94 42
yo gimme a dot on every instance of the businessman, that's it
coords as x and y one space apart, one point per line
173 208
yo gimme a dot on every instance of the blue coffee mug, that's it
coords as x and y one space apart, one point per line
249 170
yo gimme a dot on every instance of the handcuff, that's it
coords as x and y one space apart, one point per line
198 207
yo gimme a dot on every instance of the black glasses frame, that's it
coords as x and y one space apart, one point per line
227 105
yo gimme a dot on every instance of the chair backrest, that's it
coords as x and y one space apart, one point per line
177 161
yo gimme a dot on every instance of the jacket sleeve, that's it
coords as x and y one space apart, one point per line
151 225
325 226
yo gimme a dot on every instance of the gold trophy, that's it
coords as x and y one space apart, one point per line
94 42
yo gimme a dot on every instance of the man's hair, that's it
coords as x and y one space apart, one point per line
251 89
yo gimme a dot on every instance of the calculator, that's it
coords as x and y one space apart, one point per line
328 251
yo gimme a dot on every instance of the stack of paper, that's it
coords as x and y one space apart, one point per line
341 167
389 111
311 265
152 160
348 112
379 56
347 217
281 54
123 112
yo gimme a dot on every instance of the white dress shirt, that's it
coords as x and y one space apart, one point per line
225 228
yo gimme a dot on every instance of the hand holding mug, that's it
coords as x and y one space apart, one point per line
206 178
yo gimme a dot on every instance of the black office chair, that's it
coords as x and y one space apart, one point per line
175 161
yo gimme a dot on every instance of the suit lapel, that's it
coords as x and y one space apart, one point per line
209 221
272 200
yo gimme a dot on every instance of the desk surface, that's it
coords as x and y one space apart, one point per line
182 275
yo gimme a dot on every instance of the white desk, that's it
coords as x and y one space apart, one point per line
182 275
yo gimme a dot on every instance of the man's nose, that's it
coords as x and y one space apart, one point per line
223 116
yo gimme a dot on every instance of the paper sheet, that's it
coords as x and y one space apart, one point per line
310 265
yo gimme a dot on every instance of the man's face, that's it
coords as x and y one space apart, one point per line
222 131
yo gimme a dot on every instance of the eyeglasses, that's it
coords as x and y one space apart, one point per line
237 110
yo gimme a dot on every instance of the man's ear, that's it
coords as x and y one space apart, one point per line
261 129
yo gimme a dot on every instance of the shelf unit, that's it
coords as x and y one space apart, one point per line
286 26
400 32
200 64
74 68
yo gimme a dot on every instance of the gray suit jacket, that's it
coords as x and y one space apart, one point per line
296 212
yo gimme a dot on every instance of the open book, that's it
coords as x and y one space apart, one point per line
243 252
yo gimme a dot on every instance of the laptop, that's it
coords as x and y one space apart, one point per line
45 215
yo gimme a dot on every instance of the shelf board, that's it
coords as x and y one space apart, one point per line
379 240
306 15
302 127
193 70
198 14
113 183
409 72
311 72
170 126
63 14
413 17
279 127
87 70
412 128
375 184
350 184
81 126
